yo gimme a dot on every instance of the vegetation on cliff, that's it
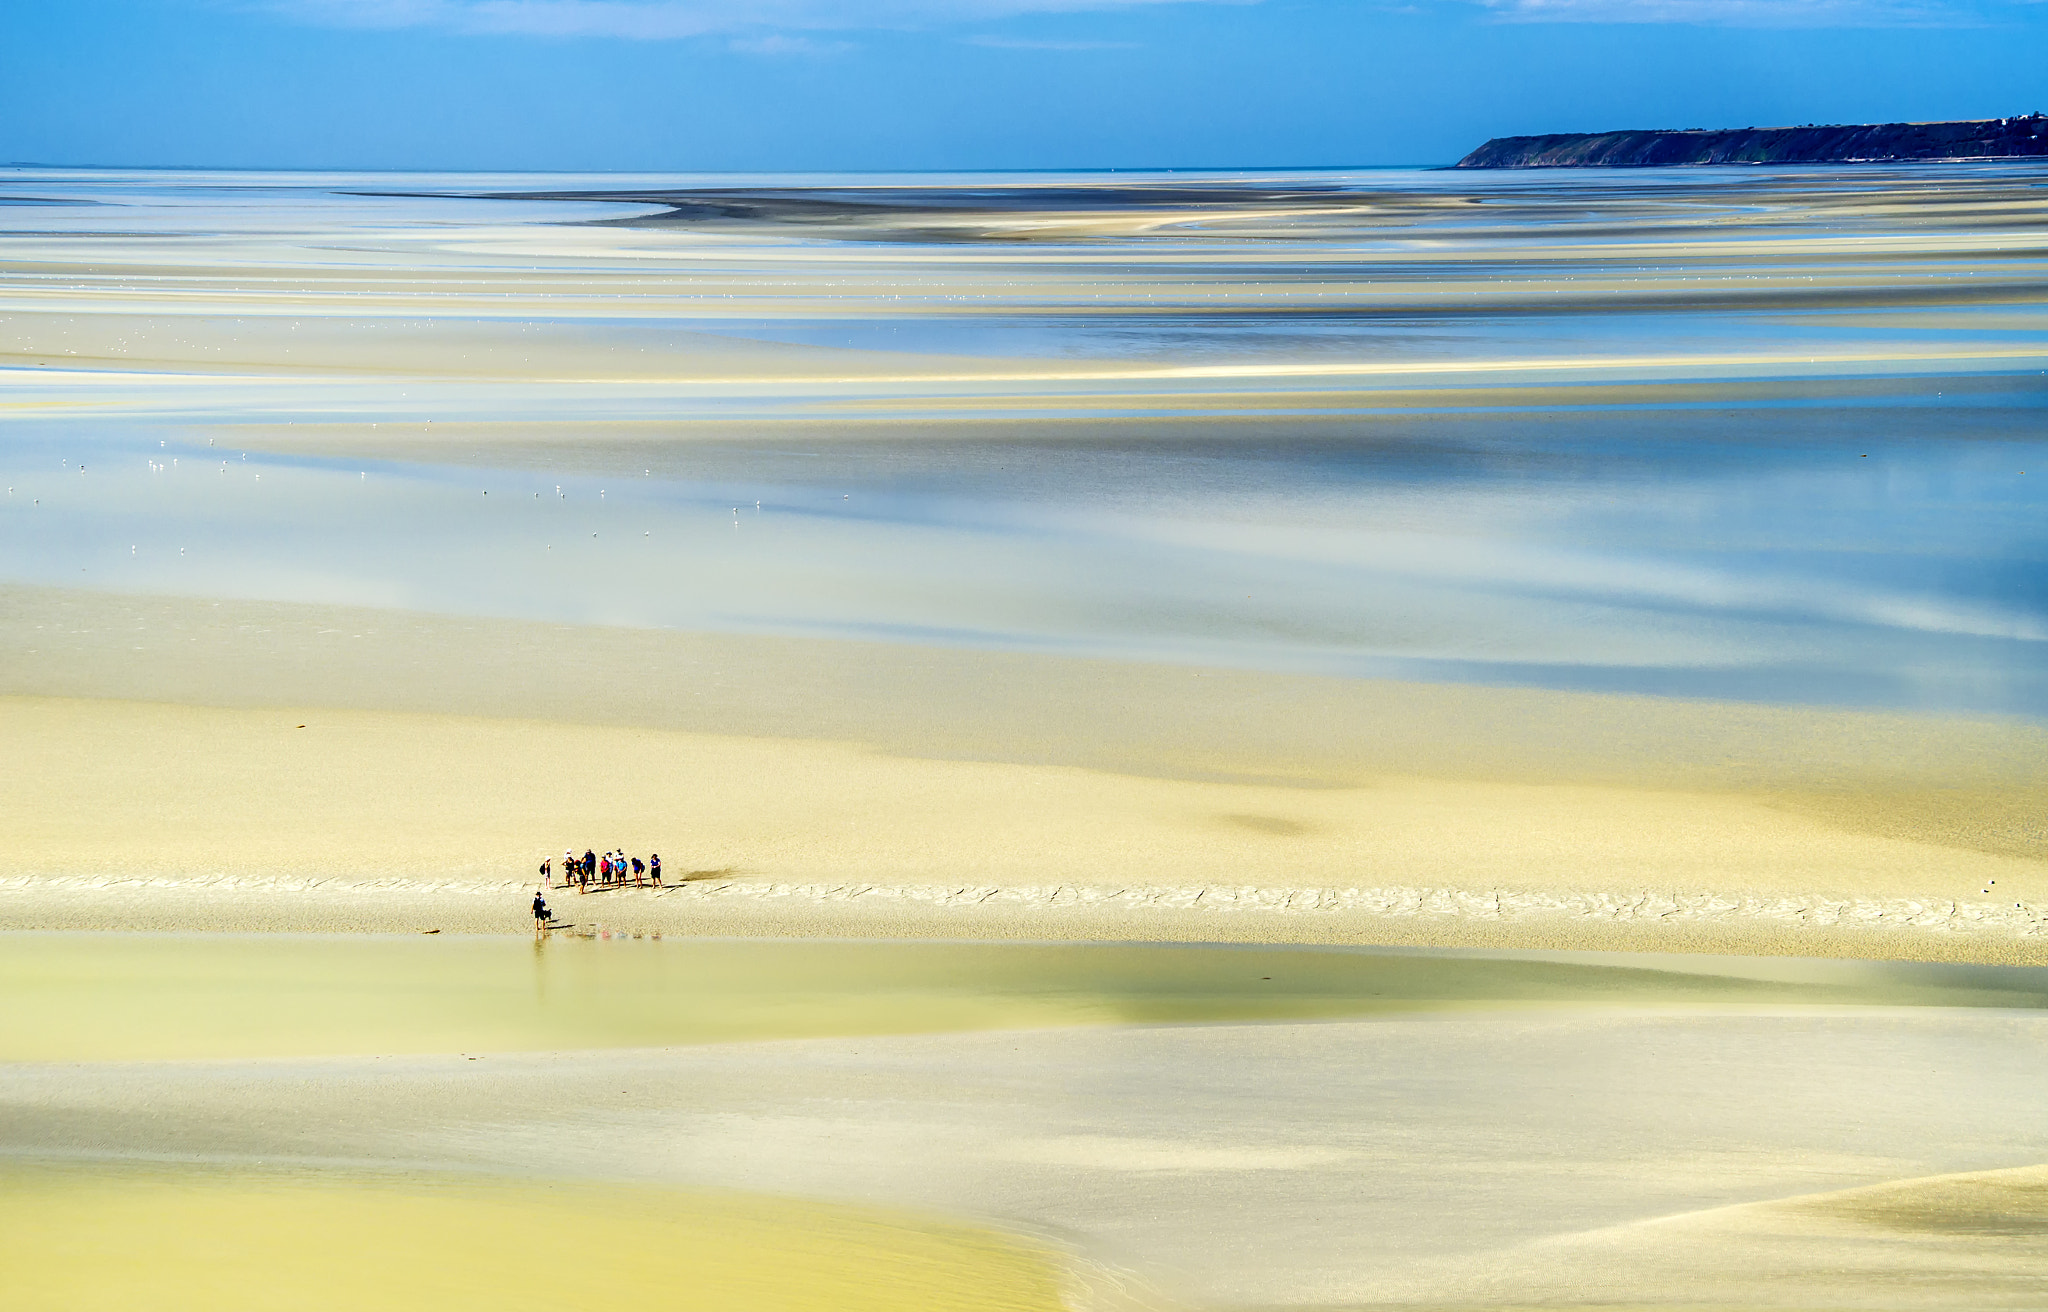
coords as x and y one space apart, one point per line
1996 138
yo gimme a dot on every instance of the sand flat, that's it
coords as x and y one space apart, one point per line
1433 1159
342 822
1965 781
160 779
470 305
1358 568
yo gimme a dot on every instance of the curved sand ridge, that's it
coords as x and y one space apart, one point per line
1976 1237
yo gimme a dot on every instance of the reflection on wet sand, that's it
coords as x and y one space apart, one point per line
118 997
1843 556
1570 432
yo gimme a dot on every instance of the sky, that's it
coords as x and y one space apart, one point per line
773 85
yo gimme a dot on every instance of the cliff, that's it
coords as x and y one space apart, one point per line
1995 138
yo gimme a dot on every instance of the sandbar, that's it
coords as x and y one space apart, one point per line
176 764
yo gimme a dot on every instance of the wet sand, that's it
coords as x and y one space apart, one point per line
1537 1134
1973 1237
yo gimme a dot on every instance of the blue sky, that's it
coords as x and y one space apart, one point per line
938 84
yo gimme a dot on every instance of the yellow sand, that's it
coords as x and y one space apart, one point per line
87 1240
154 774
94 788
126 787
1977 784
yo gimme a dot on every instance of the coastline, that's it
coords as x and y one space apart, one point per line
1997 140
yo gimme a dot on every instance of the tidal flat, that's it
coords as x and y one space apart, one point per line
1062 634
1757 437
161 997
772 1124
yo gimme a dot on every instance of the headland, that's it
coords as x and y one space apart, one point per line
1811 143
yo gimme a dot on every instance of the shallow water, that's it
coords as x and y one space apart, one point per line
117 997
1694 560
1732 433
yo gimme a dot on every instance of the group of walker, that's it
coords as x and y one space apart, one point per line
583 873
611 870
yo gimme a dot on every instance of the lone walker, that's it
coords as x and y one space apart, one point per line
541 914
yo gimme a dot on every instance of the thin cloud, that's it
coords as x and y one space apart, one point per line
1020 43
775 43
1747 13
668 20
362 13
